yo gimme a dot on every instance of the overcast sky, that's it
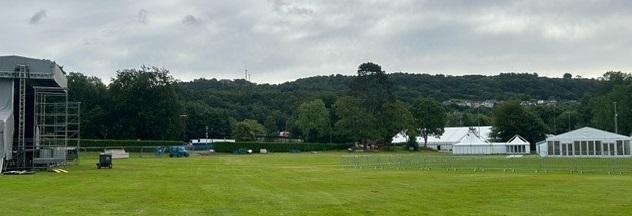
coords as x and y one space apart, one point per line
282 40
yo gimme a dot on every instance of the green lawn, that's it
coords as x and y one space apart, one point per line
306 184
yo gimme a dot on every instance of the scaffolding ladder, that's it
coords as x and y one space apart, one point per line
22 75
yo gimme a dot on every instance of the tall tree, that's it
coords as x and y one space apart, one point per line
271 127
354 123
200 116
313 120
373 87
92 94
568 76
247 130
597 107
510 118
145 105
430 118
397 118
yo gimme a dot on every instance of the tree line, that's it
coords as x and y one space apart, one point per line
148 103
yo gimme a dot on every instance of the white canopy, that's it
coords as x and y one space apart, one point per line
456 134
471 138
518 140
588 133
6 118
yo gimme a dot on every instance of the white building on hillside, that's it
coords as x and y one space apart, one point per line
586 142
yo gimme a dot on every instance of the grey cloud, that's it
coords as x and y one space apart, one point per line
37 17
142 16
281 40
283 6
190 20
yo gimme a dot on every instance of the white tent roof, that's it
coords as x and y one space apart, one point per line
588 133
456 134
517 140
472 138
401 137
6 118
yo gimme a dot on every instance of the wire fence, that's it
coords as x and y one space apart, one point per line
527 163
239 148
138 151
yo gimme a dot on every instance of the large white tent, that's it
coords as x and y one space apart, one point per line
454 135
586 142
450 136
474 144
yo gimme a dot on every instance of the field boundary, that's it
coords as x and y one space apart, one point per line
529 163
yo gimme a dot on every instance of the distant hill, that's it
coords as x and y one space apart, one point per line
248 100
441 87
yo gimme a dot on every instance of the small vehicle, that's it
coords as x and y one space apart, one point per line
105 160
173 151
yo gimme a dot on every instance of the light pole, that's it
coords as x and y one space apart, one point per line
184 122
331 121
616 126
569 120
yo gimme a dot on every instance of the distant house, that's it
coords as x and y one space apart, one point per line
586 142
281 137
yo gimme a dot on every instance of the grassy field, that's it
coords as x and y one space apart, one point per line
306 184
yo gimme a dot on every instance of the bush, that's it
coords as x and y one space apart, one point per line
134 145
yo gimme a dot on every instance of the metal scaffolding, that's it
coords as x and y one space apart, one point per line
47 126
22 74
56 128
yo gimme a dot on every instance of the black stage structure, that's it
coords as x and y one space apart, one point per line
39 127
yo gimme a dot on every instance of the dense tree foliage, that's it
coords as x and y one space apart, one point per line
615 88
372 87
247 130
396 118
355 124
510 119
147 103
92 94
313 120
199 117
430 118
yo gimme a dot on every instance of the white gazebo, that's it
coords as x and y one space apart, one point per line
586 142
517 145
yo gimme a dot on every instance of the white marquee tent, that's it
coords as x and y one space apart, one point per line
450 136
586 142
473 144
454 135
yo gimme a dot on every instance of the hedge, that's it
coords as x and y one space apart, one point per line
123 143
219 146
278 147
